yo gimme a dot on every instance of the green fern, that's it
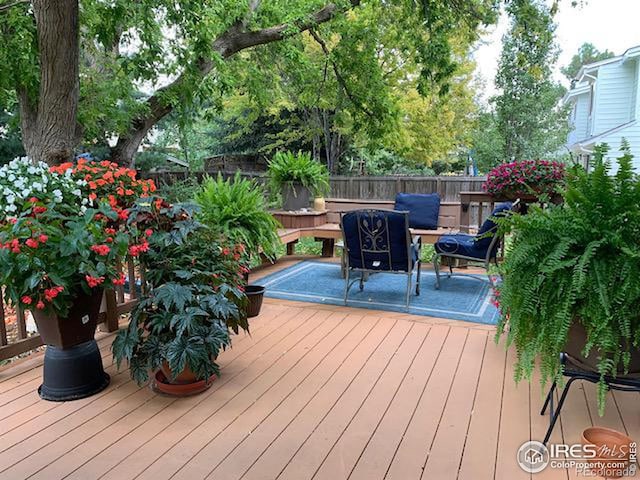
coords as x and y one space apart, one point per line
287 168
579 261
237 208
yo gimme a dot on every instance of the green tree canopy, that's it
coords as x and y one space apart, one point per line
587 53
137 62
528 116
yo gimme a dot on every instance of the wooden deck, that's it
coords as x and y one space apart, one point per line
316 392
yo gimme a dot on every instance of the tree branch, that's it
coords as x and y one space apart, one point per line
7 6
234 40
338 75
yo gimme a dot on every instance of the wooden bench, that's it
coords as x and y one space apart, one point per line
328 233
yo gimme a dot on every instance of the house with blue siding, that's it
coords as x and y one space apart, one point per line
605 106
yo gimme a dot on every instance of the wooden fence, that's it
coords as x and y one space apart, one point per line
16 337
365 187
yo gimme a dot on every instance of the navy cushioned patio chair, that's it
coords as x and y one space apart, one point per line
482 247
379 241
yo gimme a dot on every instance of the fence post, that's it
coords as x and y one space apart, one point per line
3 326
112 311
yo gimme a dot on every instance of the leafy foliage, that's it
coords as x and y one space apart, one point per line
10 140
288 168
587 53
577 262
486 141
124 46
237 209
528 119
196 295
48 259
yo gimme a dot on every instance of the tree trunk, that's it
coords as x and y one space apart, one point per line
49 125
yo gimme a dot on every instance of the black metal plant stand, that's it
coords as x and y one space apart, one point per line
574 372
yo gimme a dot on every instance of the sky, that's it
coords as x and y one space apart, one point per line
608 24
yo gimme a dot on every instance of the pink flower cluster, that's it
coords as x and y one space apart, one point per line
525 177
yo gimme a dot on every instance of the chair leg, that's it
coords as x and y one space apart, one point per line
346 285
409 277
549 398
362 282
418 279
450 268
436 268
554 415
487 264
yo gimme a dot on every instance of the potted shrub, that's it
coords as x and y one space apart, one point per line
296 177
195 296
57 254
236 208
571 276
527 180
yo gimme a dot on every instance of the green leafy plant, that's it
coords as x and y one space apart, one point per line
237 209
287 168
196 295
576 262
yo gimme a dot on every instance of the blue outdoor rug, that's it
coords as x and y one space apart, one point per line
459 297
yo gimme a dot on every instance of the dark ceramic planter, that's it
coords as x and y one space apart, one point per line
295 197
79 326
577 339
72 361
255 295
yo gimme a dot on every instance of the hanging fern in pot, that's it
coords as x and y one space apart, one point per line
571 277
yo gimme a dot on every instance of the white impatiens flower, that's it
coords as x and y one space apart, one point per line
21 179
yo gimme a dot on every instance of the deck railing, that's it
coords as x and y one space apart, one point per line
16 337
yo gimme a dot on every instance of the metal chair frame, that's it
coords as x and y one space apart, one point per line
492 254
486 261
621 384
366 272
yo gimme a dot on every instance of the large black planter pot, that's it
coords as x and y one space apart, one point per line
73 373
72 361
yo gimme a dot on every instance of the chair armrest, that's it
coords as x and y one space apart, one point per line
417 241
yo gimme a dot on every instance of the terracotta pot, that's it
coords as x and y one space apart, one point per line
185 377
577 339
181 389
79 326
612 451
255 295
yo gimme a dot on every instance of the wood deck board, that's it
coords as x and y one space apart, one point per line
315 392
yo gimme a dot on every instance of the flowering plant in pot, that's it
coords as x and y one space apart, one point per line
196 293
57 253
571 277
526 179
